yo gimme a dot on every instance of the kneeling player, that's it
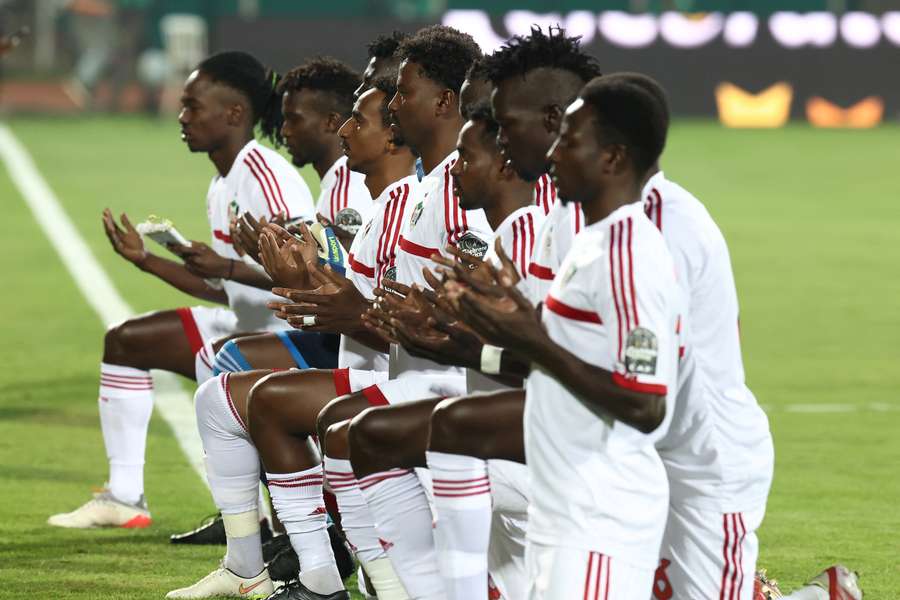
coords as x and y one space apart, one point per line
223 101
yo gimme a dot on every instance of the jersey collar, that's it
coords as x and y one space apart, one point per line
331 174
653 182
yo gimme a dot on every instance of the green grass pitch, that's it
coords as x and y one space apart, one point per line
812 220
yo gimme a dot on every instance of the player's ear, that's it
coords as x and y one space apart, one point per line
446 102
333 122
505 171
615 158
553 115
235 114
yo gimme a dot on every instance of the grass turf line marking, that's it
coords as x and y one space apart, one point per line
171 400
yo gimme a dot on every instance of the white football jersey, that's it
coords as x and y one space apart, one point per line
544 193
718 450
344 198
517 234
372 258
263 183
436 221
554 239
597 483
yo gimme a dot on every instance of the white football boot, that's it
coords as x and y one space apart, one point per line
223 582
103 510
840 582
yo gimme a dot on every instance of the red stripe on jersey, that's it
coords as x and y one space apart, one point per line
634 306
552 194
739 540
403 195
361 268
279 198
414 248
523 269
530 236
599 576
587 575
608 577
389 211
447 210
334 188
515 243
263 184
274 206
621 280
221 235
577 218
570 312
347 188
612 283
341 381
658 208
189 325
657 389
540 272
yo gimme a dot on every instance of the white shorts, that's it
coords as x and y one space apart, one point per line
557 573
708 554
205 324
415 387
506 553
349 381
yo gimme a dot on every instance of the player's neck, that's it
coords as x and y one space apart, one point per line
224 156
391 170
511 198
442 141
609 200
328 158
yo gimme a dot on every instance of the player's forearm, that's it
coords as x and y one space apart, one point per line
243 273
178 277
594 387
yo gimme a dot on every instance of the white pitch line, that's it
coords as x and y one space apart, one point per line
171 400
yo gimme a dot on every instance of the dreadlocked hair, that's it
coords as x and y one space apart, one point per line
552 50
333 78
384 46
243 73
443 53
481 113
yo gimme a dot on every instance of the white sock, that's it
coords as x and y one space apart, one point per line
359 527
203 369
298 501
404 523
232 469
462 500
126 403
808 592
244 554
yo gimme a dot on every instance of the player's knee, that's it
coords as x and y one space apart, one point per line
449 420
207 399
336 443
366 435
334 412
264 400
120 342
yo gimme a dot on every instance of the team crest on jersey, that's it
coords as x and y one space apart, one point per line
473 246
349 220
416 213
390 274
568 274
234 211
641 350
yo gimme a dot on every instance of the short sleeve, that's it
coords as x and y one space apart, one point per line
637 301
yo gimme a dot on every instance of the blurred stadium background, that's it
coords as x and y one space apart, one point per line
785 127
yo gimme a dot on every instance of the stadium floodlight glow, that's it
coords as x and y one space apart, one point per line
740 29
687 31
520 22
890 24
476 23
793 30
860 29
627 30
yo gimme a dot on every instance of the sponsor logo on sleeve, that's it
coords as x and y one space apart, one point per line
641 350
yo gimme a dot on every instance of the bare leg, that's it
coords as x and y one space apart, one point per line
485 426
153 341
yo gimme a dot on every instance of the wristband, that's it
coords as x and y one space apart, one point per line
490 359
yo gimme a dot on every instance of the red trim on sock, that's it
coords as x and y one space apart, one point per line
341 381
374 396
